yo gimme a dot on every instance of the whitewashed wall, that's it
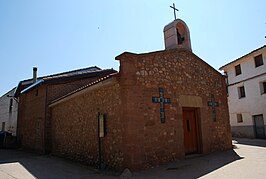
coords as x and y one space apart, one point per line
255 102
6 115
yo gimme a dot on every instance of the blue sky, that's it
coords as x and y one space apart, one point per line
63 35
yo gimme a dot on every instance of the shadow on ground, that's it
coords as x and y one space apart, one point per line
16 162
193 167
44 166
253 142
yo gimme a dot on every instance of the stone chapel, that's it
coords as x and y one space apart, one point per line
161 106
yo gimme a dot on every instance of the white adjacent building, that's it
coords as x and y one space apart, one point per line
246 80
8 112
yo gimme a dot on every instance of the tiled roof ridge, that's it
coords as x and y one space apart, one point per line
72 71
97 81
69 74
86 86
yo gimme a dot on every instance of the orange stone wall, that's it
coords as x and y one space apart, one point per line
136 138
75 127
34 124
180 72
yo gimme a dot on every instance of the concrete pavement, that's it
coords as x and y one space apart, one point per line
247 160
24 165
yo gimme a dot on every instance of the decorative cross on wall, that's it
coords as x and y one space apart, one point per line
175 9
213 104
162 101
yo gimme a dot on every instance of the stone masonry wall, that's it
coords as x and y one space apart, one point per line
34 117
31 119
56 90
75 127
150 142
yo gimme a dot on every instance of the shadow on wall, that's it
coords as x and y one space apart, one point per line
7 141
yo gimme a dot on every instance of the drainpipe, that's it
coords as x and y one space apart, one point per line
99 144
44 121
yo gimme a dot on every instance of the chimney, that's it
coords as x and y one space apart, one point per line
34 74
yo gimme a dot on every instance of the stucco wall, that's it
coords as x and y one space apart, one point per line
247 67
8 112
255 101
253 104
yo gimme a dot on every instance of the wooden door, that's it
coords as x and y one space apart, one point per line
190 130
259 126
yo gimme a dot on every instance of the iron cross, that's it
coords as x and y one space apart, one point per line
213 104
162 101
175 9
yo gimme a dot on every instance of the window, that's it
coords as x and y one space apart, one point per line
258 60
3 126
10 105
263 87
226 81
239 118
238 69
241 92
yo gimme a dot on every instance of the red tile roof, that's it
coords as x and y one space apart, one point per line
69 75
113 75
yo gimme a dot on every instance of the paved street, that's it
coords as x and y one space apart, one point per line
246 161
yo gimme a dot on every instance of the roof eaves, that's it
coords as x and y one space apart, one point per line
5 94
17 91
124 55
32 86
63 76
79 76
253 51
29 81
74 72
58 100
